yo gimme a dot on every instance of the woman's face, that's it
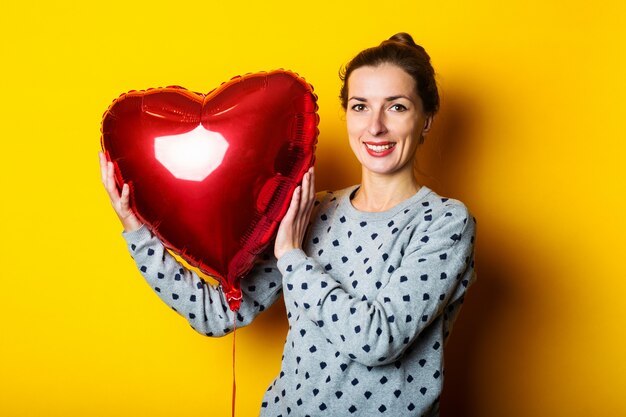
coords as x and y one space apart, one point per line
385 118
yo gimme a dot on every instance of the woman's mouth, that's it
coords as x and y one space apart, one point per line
379 149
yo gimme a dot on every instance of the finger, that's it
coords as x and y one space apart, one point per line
306 197
108 176
312 184
110 183
125 199
294 206
309 190
301 221
306 184
103 167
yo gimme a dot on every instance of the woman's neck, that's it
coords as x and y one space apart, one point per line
382 192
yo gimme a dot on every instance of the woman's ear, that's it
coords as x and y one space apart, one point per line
427 124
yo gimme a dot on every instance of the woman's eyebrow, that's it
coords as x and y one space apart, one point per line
390 98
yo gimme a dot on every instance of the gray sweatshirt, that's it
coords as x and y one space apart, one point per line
370 301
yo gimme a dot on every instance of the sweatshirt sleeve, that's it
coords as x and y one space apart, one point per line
433 276
203 305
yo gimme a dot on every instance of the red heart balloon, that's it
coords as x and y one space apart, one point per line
212 175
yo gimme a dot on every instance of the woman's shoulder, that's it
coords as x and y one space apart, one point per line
447 206
445 214
328 196
328 203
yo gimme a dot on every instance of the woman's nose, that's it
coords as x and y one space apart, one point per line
376 124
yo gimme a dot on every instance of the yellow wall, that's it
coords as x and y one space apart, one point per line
530 136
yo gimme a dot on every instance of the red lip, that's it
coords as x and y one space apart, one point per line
381 153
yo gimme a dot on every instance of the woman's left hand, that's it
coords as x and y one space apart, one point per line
293 226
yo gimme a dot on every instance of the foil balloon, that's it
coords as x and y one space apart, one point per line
212 175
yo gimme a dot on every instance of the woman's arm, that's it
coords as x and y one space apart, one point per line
433 276
202 304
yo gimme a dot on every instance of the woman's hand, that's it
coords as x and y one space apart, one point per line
293 226
119 202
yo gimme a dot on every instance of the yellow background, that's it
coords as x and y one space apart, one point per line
530 135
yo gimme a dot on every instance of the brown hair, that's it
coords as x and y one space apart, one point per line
402 51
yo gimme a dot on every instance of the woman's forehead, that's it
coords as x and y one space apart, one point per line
382 81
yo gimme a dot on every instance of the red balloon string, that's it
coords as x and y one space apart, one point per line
234 382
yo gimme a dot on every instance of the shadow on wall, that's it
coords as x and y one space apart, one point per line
481 312
445 164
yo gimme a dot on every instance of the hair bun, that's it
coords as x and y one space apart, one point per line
402 51
404 38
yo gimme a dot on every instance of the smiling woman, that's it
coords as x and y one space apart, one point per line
373 276
385 119
390 96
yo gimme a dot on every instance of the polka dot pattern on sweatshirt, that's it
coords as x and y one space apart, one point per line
370 301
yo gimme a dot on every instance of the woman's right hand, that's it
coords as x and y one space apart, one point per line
293 227
120 203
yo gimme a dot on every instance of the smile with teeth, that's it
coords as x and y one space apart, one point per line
379 147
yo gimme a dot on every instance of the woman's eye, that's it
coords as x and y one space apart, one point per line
398 107
358 107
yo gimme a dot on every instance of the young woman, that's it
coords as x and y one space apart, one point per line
372 276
